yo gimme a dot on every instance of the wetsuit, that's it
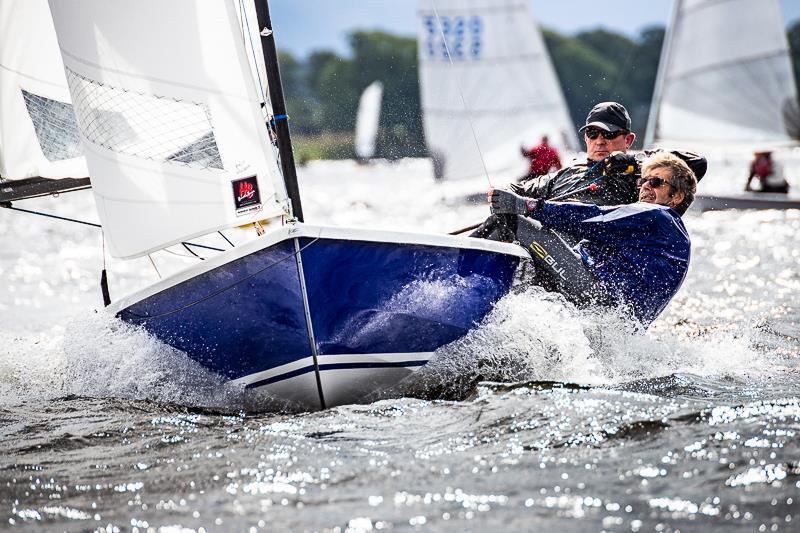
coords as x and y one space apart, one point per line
635 254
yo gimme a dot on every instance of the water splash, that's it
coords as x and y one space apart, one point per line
96 355
538 336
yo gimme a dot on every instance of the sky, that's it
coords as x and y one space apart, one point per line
305 25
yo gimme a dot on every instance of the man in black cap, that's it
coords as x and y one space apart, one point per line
607 177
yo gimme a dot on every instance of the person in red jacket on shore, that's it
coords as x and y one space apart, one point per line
544 159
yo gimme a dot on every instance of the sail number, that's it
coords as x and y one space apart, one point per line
459 38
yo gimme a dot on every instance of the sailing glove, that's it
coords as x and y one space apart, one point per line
621 163
506 202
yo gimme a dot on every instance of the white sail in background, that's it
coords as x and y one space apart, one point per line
496 59
38 133
725 75
169 117
368 120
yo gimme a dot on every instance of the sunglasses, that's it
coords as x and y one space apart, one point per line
594 133
655 182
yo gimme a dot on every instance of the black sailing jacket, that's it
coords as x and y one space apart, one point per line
611 190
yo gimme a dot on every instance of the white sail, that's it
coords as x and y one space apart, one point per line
725 75
491 54
169 117
38 134
368 120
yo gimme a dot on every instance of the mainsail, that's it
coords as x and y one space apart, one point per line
38 133
368 120
491 53
170 119
725 76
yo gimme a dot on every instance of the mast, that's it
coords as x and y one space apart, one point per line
280 118
661 74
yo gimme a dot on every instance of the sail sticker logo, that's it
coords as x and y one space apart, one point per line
542 254
246 197
459 37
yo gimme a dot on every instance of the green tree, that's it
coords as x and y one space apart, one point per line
599 65
299 100
393 61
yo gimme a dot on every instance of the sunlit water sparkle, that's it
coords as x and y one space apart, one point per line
545 416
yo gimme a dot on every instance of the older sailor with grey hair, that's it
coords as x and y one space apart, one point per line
632 255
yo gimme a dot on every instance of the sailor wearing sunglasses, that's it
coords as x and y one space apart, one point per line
634 255
608 137
606 177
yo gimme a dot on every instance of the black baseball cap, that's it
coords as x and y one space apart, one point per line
609 116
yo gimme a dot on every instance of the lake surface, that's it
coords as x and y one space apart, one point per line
544 417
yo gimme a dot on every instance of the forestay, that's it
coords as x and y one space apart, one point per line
38 133
169 116
501 67
725 75
368 120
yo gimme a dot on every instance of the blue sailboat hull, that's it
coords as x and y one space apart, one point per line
326 320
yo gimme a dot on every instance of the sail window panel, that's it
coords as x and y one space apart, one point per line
169 122
55 127
143 125
38 134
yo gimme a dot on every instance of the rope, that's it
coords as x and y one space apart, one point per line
228 240
192 252
461 92
48 215
202 246
246 31
150 257
586 174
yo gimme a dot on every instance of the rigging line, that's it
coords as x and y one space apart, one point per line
103 241
224 289
246 31
203 246
48 215
227 239
193 252
460 91
150 257
167 250
585 175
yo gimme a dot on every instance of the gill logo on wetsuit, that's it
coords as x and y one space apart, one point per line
542 254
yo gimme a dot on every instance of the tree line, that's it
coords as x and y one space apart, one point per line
322 90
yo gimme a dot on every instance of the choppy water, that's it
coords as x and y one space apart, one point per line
544 417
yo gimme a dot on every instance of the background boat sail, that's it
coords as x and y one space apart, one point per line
725 84
368 120
40 150
491 54
725 77
176 143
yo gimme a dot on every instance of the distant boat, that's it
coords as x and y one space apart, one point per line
182 121
725 82
725 77
486 80
368 120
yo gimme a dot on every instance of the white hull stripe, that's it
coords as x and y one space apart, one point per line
334 362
